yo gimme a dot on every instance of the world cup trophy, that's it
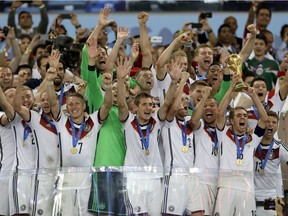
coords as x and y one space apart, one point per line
234 63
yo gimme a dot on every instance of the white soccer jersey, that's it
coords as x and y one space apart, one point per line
135 152
25 149
265 184
173 143
228 157
205 158
164 84
274 104
7 152
7 147
84 157
46 140
155 91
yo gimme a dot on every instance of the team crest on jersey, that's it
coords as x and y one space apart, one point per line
271 156
87 127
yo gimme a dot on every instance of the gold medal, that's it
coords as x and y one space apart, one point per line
185 149
147 152
239 162
215 152
73 150
262 171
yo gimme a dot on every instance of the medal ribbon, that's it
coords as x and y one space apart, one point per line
61 96
183 131
240 150
50 122
191 106
256 111
263 163
145 141
27 130
214 134
75 139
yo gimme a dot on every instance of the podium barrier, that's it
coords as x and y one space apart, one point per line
84 191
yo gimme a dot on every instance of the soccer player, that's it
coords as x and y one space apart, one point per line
207 152
77 134
141 133
47 150
20 183
107 185
179 157
275 104
267 159
235 193
7 149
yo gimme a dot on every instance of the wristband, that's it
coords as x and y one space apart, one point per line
50 83
209 31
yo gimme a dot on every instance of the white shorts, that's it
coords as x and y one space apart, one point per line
208 197
73 190
145 195
20 193
232 201
4 194
262 212
181 193
44 192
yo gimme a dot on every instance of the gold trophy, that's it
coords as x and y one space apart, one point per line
234 63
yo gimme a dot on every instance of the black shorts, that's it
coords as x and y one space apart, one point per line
108 193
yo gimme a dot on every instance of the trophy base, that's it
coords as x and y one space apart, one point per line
240 86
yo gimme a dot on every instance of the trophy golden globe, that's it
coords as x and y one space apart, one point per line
234 63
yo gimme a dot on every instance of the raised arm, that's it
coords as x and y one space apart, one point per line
17 102
173 109
7 108
220 116
16 50
122 71
122 34
251 14
43 24
283 91
163 59
11 16
134 52
102 22
248 47
107 104
144 40
175 74
211 36
259 106
50 76
199 109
